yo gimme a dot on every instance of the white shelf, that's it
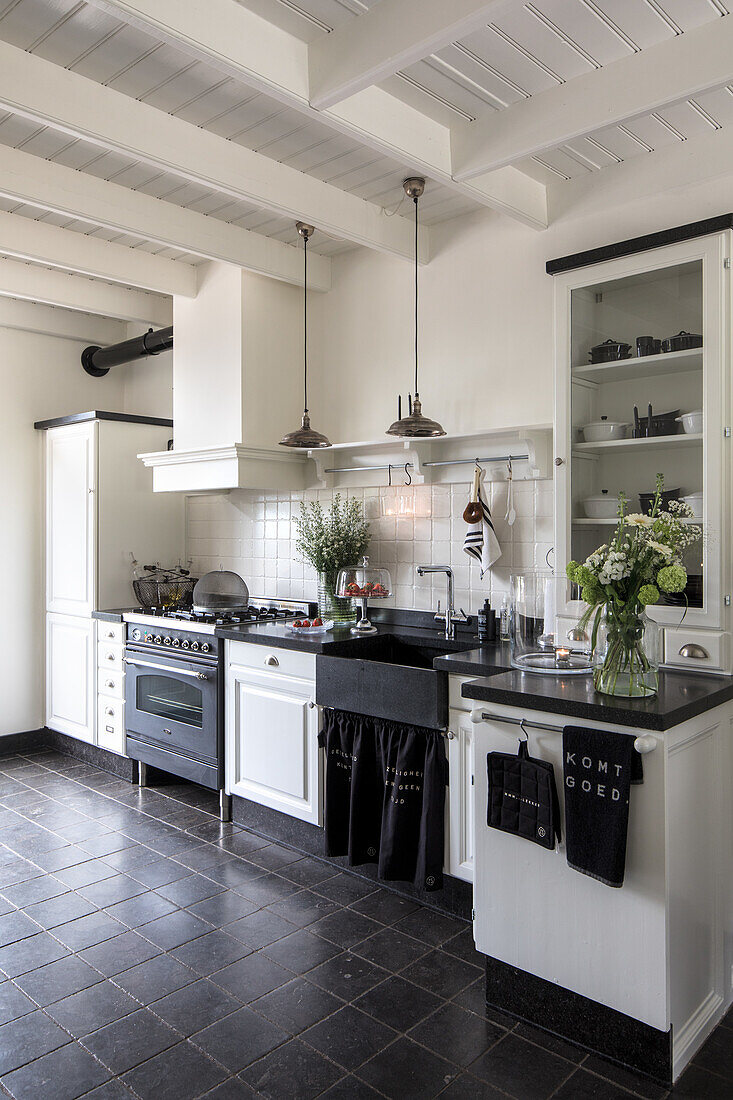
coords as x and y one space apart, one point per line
640 366
645 444
585 522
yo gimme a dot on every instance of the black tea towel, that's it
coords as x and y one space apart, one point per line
599 767
522 796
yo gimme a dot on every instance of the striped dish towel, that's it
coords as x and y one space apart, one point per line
481 541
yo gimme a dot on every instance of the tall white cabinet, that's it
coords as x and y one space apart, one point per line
658 293
99 507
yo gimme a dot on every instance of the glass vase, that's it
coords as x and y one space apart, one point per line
627 654
331 606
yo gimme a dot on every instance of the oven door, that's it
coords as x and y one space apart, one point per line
172 702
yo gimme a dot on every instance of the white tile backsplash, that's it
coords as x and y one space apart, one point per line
253 533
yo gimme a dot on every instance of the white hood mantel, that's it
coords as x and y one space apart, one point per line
232 466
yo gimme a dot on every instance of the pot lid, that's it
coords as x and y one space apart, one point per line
220 590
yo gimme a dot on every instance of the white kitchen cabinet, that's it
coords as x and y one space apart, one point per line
71 671
459 824
655 293
100 507
272 723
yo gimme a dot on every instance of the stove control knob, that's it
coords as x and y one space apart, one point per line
176 642
148 637
205 647
137 635
158 639
166 641
194 645
184 644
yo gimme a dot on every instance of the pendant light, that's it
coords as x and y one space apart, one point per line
304 437
415 425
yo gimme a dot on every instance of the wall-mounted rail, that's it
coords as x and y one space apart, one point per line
446 462
643 744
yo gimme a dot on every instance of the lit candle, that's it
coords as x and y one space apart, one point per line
562 656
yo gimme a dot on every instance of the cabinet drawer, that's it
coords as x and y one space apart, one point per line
110 683
111 725
285 662
109 655
703 649
110 632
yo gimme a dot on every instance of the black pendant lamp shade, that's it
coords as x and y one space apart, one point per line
415 426
305 438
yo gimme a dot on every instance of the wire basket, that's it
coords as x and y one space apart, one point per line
150 592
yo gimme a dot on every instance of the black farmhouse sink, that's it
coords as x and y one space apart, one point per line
388 676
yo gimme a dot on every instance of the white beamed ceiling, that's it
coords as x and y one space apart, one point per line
527 49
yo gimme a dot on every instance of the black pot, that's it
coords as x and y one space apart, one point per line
647 499
662 424
683 341
609 351
648 345
692 595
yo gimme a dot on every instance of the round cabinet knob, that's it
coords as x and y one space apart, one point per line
697 652
450 735
110 683
158 639
559 461
166 641
110 711
110 656
176 643
194 645
110 633
185 644
205 647
272 660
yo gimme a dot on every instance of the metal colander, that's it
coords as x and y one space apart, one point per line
220 590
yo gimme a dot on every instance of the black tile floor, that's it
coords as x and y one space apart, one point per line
148 951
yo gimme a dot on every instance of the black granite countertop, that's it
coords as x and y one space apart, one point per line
339 641
485 660
682 695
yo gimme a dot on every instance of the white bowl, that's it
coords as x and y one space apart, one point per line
695 502
601 507
601 430
691 422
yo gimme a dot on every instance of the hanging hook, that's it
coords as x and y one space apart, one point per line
479 467
389 475
509 467
523 730
408 475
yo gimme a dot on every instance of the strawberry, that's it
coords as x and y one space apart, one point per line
306 623
297 623
318 622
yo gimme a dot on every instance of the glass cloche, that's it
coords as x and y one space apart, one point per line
364 582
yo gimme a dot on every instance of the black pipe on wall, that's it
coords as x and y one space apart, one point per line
97 361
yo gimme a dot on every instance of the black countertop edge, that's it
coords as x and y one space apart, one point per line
80 418
681 696
113 615
487 660
278 636
644 243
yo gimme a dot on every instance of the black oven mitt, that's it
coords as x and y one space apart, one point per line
523 797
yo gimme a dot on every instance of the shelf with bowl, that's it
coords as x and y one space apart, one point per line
640 366
644 444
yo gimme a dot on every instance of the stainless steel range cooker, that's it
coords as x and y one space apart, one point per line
174 689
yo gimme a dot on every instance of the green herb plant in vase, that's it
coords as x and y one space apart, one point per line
329 541
620 580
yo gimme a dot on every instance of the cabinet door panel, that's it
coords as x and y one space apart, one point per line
459 804
71 676
70 519
272 748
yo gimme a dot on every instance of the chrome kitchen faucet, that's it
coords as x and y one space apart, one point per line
451 616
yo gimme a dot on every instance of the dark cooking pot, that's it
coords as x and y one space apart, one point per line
647 499
662 424
692 595
683 341
609 351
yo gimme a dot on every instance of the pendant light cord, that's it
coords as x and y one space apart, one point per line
305 325
415 201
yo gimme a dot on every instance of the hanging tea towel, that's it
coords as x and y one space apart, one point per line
481 541
599 767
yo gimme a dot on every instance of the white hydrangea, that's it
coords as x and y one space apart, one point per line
615 567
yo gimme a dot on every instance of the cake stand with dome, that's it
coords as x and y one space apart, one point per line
364 582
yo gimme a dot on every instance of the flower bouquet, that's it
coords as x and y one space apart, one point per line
622 578
329 541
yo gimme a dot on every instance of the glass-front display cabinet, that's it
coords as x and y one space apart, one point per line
642 388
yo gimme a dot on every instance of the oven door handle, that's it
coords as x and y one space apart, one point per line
166 668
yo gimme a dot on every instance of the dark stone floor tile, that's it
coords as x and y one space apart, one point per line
350 1088
473 999
347 975
440 973
391 949
522 1069
187 891
266 889
26 1038
463 947
456 1035
88 931
16 926
107 844
64 1074
233 1089
60 910
195 1006
242 842
111 890
292 1070
174 929
141 909
61 858
211 952
180 1073
398 1003
84 874
159 873
297 1005
716 1055
130 1041
345 889
92 1008
205 856
273 856
586 1086
345 927
308 872
28 954
151 980
13 1003
405 1071
251 978
698 1084
301 951
260 928
303 908
123 952
239 1039
223 908
466 1087
556 1045
34 890
385 907
349 1037
58 979
431 927
130 859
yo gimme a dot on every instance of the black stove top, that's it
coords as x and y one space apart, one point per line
251 614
